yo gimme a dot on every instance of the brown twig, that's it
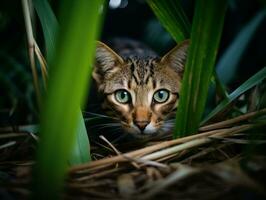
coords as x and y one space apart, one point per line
43 64
12 135
235 120
201 139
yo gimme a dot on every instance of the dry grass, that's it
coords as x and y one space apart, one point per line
211 164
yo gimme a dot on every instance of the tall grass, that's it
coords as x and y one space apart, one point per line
49 25
50 28
205 36
173 18
206 32
67 86
227 65
247 85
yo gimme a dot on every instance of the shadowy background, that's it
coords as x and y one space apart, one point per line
124 18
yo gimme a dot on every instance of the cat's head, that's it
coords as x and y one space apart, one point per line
142 93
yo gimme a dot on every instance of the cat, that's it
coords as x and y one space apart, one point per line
139 89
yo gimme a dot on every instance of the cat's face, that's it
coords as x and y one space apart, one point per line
142 93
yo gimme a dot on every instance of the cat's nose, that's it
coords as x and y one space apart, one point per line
141 124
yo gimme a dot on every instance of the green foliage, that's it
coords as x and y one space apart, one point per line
251 82
206 32
67 86
81 150
50 27
173 18
227 65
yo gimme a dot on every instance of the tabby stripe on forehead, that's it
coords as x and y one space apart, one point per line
134 72
140 71
146 77
148 73
152 67
132 68
136 79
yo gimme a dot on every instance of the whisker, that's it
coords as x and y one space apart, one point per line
93 104
87 119
122 136
99 115
115 130
169 125
170 120
105 125
96 114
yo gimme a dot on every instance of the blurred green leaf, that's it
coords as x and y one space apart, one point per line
228 63
81 151
67 86
205 36
172 16
49 25
251 82
156 37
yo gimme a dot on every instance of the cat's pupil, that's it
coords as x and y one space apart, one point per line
161 94
123 95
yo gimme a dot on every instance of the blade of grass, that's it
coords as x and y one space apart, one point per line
251 82
69 74
220 89
227 65
49 25
206 33
81 150
172 16
50 28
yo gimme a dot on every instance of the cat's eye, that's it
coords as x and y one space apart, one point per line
122 96
161 96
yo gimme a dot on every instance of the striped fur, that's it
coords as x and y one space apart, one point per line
141 76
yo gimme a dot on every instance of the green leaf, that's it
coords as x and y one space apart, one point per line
67 87
206 33
81 151
251 82
49 25
227 65
170 13
220 89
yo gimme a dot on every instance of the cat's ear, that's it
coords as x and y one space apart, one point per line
176 58
106 62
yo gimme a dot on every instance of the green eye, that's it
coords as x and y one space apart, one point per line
122 96
161 96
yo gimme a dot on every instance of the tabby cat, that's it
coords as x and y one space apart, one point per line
140 90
